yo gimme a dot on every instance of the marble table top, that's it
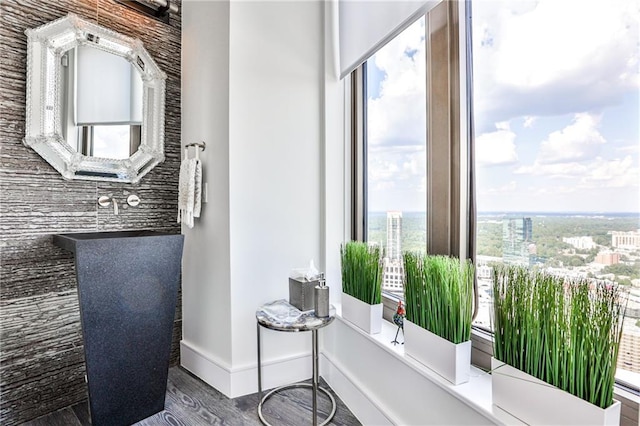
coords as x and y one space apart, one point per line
280 315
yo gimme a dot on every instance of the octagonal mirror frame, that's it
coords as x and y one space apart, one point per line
43 131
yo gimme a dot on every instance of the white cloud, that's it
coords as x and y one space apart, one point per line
507 188
628 148
397 179
415 166
404 69
422 187
580 140
545 58
397 120
380 170
555 191
528 121
598 173
397 124
396 168
557 170
537 62
496 148
503 125
616 173
612 184
397 115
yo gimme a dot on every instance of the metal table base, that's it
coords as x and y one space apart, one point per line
315 373
300 385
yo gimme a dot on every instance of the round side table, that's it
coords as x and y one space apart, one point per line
281 316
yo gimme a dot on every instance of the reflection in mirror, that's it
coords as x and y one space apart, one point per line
99 121
109 141
95 101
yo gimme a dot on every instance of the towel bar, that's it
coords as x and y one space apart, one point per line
200 145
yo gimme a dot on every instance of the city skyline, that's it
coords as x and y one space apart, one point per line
517 239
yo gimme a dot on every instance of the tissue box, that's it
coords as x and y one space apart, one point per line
301 293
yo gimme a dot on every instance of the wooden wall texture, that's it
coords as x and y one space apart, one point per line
41 352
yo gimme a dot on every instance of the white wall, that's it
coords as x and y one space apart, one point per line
206 291
252 74
274 109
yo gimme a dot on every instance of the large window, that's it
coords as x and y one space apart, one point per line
557 148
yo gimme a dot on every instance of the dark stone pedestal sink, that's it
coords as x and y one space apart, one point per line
127 287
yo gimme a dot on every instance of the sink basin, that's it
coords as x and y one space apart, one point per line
127 289
68 241
113 234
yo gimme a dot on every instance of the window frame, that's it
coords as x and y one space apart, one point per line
448 136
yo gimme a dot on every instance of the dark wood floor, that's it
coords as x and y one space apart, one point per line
191 402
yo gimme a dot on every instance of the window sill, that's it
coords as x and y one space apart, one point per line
629 397
477 392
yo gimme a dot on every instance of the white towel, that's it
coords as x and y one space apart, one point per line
189 191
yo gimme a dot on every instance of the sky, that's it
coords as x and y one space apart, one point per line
556 98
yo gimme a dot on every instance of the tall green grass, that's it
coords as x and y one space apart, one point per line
362 271
563 331
438 295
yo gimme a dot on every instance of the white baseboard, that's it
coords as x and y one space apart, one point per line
243 380
367 410
211 370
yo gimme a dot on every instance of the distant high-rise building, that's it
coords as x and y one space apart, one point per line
629 352
517 239
393 277
607 258
394 235
630 240
581 243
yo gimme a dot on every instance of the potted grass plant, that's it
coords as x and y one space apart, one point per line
439 302
361 285
556 342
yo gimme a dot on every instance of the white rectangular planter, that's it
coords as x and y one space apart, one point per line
367 317
451 361
536 402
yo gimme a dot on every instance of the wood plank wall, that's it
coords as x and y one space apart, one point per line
41 353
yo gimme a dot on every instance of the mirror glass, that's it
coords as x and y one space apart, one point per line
95 101
98 121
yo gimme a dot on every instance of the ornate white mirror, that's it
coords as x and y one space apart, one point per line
95 101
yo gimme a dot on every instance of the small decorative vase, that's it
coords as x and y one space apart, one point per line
451 361
365 316
536 402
